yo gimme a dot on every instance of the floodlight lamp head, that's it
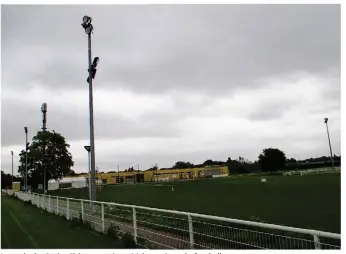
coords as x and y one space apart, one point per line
96 61
87 148
89 29
26 129
44 107
12 153
87 24
325 120
86 20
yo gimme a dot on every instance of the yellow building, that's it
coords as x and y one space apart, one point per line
16 186
181 174
158 175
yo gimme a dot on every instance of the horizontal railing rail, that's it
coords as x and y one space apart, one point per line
161 228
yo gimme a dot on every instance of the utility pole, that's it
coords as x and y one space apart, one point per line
12 170
330 146
88 150
44 128
26 159
92 72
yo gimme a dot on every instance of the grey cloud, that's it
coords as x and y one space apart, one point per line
270 111
212 48
209 50
75 125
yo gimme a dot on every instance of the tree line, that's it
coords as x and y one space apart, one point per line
269 160
57 161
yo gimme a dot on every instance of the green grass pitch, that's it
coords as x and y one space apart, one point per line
311 201
25 226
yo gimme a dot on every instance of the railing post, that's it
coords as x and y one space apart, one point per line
57 205
103 217
134 224
82 209
317 242
67 209
191 231
49 203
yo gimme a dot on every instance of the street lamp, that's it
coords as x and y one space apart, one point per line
88 27
44 128
330 146
26 158
88 150
12 170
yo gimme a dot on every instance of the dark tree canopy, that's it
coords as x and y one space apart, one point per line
71 173
6 180
57 159
272 159
182 165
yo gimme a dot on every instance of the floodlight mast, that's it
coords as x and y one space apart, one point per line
330 146
92 71
12 170
44 128
26 159
89 182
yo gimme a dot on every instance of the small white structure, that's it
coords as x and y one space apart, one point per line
263 180
67 183
223 175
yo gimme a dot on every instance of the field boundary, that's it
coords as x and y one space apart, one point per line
183 230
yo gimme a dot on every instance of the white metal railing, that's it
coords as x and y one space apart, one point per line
312 171
169 229
7 191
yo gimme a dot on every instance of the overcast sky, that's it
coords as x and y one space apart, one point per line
180 82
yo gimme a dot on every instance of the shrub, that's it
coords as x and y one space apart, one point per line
113 232
127 242
76 222
27 202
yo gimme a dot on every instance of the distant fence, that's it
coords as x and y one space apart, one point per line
168 229
312 171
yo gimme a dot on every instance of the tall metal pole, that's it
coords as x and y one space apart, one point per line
44 128
26 158
91 110
330 146
12 170
118 174
89 176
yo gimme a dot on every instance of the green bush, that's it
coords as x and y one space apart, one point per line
127 242
113 232
77 222
27 202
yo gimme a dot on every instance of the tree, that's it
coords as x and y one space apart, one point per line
57 159
272 159
182 165
292 160
6 180
241 166
71 173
